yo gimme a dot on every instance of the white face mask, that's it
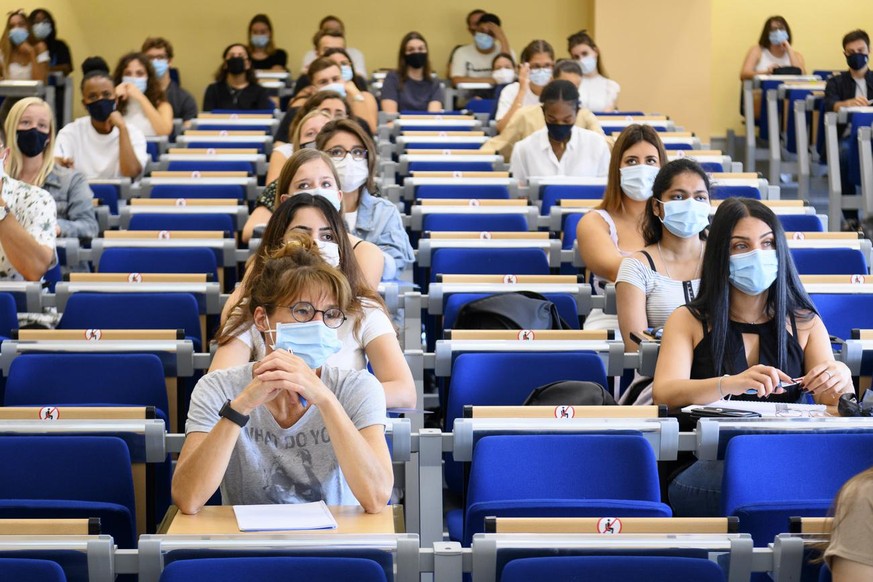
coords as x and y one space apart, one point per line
329 252
588 64
503 76
353 173
636 181
329 193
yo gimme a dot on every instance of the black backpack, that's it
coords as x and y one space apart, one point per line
570 392
517 310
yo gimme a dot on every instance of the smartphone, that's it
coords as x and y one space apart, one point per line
719 412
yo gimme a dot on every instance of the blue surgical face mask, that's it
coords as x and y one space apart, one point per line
541 77
161 66
777 37
139 82
754 272
484 42
588 64
685 218
313 341
346 72
337 87
329 193
42 30
636 181
18 35
260 40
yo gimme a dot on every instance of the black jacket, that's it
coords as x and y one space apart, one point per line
841 87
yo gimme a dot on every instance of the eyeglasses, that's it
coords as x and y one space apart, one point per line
304 312
337 153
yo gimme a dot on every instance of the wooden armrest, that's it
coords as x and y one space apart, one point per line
98 334
532 335
550 411
50 526
198 174
142 278
612 525
162 234
516 279
49 413
443 235
184 202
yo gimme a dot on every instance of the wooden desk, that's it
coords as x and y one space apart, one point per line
220 519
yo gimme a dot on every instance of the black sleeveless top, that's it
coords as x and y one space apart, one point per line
735 362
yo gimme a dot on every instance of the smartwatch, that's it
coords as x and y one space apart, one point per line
232 415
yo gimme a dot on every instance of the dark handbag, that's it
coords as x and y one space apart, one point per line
571 392
517 310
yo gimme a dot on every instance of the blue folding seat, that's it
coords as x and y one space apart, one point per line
31 570
624 568
800 222
312 569
159 260
480 261
553 193
474 222
214 222
829 261
462 191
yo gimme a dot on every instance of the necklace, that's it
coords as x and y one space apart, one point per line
756 321
667 271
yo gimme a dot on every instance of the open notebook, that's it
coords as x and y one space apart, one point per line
277 517
771 409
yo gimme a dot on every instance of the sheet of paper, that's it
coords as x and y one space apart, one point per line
292 516
766 408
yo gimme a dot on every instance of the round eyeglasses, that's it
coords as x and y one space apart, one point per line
338 153
304 312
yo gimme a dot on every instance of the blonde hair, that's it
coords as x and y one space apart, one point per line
298 129
16 158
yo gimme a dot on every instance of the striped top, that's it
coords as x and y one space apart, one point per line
663 294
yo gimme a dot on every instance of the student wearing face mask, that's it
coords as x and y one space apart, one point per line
367 215
367 338
331 34
102 144
303 137
265 55
665 274
530 118
534 73
160 53
751 328
140 98
43 27
292 393
327 75
774 51
22 57
597 92
613 230
31 160
503 71
851 88
411 87
27 223
236 86
471 63
561 148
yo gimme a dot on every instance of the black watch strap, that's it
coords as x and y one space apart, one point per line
232 415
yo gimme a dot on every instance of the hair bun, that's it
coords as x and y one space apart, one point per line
94 64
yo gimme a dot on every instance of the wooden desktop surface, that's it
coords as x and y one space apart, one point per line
220 519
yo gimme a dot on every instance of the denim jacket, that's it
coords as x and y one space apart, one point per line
379 222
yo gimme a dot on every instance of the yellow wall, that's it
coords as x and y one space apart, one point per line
817 29
199 30
660 54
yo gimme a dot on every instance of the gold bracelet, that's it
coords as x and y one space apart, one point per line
720 393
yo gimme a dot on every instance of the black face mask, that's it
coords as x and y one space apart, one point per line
236 65
31 141
857 61
101 109
559 131
416 60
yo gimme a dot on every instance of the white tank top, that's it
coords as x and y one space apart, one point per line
596 318
136 117
768 60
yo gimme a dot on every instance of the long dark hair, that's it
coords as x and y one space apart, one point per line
221 73
153 91
764 40
402 73
582 37
653 229
261 19
31 19
712 304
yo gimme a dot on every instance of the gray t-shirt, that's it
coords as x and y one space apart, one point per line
270 464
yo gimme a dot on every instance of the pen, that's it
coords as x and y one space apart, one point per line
783 385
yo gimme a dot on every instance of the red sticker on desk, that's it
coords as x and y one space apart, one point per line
798 236
93 335
565 411
526 335
510 279
195 174
858 279
609 525
485 235
49 413
164 234
134 278
473 202
181 202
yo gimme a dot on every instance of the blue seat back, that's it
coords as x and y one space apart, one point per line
451 166
222 222
133 311
438 145
211 166
800 222
829 261
218 145
553 193
318 566
462 191
566 305
859 120
722 192
769 478
8 315
153 149
158 260
625 568
69 476
522 261
30 570
474 222
172 191
108 195
843 312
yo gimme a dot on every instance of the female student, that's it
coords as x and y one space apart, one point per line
597 92
326 75
535 72
265 55
850 551
242 418
141 100
303 136
750 329
236 86
614 230
22 57
773 51
411 87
